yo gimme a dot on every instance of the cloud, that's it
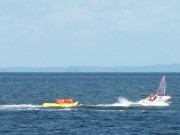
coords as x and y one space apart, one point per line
128 20
83 34
70 16
146 19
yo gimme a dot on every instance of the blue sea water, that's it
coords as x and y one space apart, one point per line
108 104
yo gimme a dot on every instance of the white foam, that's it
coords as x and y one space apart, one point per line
20 107
14 107
122 102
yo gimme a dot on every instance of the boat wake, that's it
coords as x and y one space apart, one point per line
30 107
20 107
122 102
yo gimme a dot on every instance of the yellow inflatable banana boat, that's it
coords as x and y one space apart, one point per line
60 105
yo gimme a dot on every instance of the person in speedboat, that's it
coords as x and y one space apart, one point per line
155 97
151 97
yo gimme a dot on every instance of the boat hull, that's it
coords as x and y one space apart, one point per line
158 101
59 105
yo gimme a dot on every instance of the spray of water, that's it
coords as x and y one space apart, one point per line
122 102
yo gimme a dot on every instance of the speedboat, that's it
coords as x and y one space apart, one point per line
160 97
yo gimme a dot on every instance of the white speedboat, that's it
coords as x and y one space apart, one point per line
160 98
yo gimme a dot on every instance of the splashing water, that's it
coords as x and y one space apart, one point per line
123 102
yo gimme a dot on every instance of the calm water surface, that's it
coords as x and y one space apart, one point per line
107 104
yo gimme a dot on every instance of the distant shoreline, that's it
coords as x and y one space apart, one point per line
172 68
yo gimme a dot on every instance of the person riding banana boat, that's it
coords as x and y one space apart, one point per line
64 101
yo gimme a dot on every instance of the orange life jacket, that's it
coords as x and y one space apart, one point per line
57 101
62 101
70 101
66 101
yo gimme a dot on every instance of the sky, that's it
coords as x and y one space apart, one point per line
107 33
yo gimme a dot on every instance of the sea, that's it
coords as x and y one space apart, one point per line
108 104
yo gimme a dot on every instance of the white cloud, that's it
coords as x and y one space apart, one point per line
121 15
83 34
161 9
69 16
161 13
127 20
